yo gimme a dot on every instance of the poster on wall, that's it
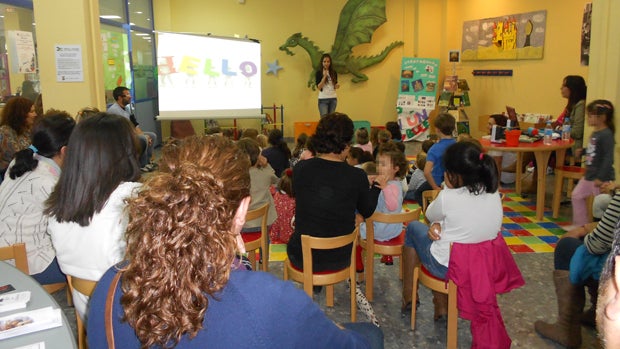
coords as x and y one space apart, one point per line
417 96
116 70
516 36
69 66
22 52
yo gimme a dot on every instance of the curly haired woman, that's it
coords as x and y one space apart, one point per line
181 285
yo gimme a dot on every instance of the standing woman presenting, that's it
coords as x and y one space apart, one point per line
327 82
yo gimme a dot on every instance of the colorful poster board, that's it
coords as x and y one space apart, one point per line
116 71
22 51
417 96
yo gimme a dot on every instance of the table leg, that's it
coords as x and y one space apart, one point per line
542 159
518 173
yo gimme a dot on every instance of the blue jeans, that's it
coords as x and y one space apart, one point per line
372 333
327 106
51 275
417 237
147 150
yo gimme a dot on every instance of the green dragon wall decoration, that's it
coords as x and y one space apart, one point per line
358 21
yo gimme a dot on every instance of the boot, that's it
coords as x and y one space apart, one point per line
588 318
410 260
441 305
567 330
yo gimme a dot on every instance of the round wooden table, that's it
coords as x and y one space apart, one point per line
542 153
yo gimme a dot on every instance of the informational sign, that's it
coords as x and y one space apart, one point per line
21 48
417 96
69 67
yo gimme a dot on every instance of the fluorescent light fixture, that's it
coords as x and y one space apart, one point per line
138 12
110 17
142 34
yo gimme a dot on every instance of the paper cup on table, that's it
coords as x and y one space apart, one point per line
512 138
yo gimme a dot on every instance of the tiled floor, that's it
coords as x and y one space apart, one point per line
520 308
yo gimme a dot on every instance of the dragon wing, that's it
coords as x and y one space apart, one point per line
358 21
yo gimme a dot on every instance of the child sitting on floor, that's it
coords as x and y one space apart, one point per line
363 142
392 163
284 200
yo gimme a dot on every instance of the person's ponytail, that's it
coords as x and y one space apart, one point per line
24 162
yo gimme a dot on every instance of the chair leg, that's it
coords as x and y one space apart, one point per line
329 295
265 256
369 273
590 203
352 291
452 316
400 266
81 333
557 193
69 296
252 258
414 293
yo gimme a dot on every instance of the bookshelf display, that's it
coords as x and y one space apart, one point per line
454 98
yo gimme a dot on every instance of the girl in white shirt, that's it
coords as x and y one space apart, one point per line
468 210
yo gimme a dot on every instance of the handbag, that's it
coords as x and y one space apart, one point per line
109 305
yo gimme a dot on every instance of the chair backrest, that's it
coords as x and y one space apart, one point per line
18 253
309 243
257 213
85 287
427 197
402 217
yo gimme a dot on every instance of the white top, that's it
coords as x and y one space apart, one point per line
464 218
328 90
87 252
21 212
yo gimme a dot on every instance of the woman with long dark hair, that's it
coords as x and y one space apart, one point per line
278 154
327 83
574 90
87 218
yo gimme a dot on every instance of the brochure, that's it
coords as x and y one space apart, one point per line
29 321
14 301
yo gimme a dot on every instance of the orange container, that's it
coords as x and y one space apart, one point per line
512 138
307 127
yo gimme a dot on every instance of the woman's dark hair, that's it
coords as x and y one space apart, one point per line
356 153
302 139
467 166
276 139
49 135
500 119
332 72
15 113
577 86
101 154
333 134
251 148
394 129
605 108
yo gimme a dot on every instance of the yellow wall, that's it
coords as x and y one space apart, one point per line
429 28
272 22
82 28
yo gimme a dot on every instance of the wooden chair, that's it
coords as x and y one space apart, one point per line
420 274
325 278
427 197
570 173
85 287
393 247
16 252
254 241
